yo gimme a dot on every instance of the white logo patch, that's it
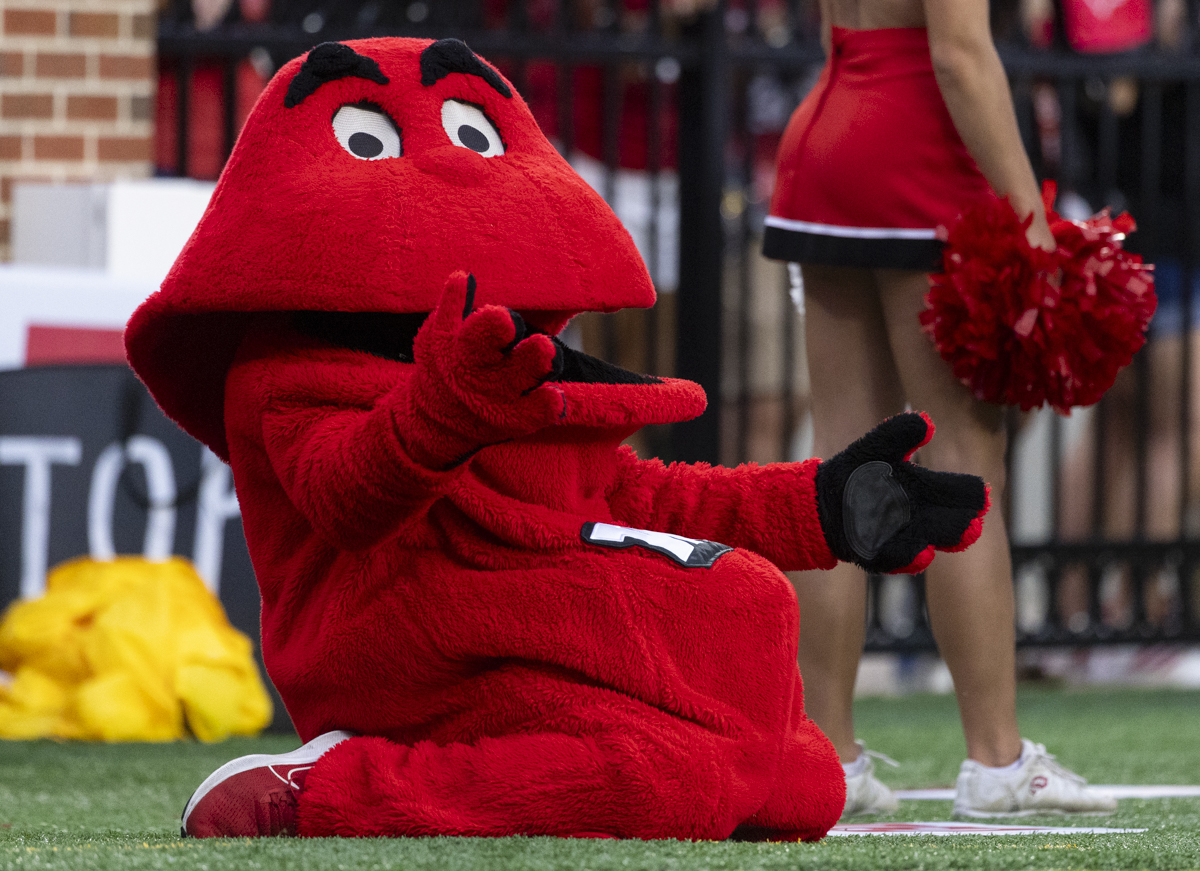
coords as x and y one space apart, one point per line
688 552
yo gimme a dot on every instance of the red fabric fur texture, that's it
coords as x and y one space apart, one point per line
505 674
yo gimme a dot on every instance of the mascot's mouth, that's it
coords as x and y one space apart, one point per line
391 335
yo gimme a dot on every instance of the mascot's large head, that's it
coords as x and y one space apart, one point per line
367 173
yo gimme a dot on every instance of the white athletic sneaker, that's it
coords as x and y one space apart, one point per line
864 793
1036 785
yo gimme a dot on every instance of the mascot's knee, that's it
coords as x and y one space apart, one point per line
682 787
755 590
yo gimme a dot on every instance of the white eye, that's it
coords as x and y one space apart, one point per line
366 132
468 127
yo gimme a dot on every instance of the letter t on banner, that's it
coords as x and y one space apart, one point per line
37 454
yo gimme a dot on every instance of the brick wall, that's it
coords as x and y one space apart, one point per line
77 81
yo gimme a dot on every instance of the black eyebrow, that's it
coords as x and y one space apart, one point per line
328 62
448 56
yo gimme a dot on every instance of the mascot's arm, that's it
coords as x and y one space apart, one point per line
347 471
771 510
364 447
868 504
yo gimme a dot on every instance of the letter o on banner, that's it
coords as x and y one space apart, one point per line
155 459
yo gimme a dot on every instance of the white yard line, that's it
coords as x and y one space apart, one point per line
939 828
1116 791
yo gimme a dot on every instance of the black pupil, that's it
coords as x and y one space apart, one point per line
472 138
366 145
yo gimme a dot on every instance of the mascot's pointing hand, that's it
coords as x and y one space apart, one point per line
480 379
888 515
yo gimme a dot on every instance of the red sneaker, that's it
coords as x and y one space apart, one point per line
254 796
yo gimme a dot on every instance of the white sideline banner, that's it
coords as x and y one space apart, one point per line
61 297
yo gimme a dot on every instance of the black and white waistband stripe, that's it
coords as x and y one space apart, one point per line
849 232
836 245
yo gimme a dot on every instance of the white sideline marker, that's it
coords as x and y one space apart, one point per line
948 828
1170 791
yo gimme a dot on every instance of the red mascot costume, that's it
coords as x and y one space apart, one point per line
485 616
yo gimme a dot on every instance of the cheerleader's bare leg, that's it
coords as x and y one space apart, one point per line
854 386
970 594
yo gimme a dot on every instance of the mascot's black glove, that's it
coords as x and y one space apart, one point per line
888 515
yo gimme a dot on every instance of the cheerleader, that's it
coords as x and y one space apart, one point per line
910 123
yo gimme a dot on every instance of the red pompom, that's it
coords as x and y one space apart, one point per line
1013 335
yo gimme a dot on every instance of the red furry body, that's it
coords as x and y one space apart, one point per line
528 681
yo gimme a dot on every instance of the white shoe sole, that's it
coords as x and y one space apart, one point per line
309 753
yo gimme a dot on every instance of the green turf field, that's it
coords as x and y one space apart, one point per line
117 807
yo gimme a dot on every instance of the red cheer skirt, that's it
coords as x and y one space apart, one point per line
871 164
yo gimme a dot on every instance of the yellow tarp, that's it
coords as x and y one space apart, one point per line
127 650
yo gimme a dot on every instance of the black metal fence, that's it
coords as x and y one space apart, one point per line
675 119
